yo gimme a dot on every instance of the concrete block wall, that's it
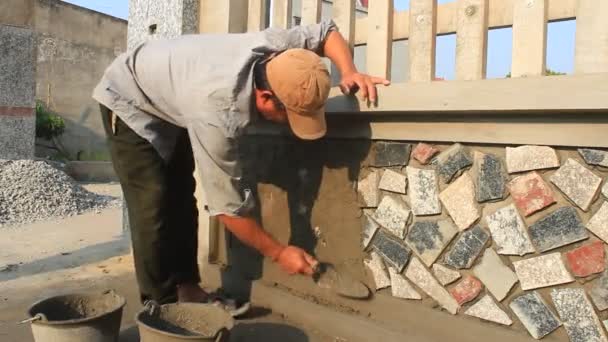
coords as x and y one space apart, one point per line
17 92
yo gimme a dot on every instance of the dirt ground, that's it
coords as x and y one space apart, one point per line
90 253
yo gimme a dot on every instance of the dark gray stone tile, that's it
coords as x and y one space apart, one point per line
391 153
535 315
467 247
560 228
594 157
578 316
451 161
491 177
599 292
429 238
392 249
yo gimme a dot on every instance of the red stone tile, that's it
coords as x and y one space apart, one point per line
586 260
466 290
424 152
531 193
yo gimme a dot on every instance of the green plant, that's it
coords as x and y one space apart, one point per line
548 72
49 125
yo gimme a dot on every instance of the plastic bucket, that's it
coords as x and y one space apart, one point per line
181 322
77 318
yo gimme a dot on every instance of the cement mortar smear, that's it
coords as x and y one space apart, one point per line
534 225
33 190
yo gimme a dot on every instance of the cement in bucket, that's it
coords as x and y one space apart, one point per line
180 322
77 318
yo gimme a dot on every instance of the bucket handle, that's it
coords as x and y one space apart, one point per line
151 306
37 317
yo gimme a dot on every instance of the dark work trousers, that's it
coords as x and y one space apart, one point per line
162 209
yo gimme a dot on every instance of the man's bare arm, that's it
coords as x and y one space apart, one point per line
292 259
338 51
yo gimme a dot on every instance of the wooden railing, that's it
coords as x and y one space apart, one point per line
581 96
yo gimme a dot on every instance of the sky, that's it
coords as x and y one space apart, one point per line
560 41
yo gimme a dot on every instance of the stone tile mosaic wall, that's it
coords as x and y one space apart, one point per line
513 235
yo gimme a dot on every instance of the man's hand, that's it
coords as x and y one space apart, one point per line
355 81
294 260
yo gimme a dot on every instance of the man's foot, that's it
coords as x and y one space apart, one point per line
234 307
191 293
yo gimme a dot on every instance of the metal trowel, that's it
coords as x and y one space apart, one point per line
327 277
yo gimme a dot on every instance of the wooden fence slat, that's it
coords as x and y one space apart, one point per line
423 16
281 13
591 37
256 17
529 38
472 40
343 13
311 12
500 15
379 48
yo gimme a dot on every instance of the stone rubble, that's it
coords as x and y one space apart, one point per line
459 201
487 309
534 314
32 190
578 317
445 275
542 271
509 232
529 157
421 277
424 191
393 182
577 182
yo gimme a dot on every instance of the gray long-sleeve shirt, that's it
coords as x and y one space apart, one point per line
203 83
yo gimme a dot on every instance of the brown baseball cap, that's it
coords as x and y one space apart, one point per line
300 80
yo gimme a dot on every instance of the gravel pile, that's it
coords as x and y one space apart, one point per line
32 190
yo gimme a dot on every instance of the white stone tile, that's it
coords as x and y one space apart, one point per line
421 277
424 191
545 270
578 316
379 272
577 182
370 227
393 181
393 215
401 288
487 309
598 224
528 157
368 189
495 275
509 232
445 275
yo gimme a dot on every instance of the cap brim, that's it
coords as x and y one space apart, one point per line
309 126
